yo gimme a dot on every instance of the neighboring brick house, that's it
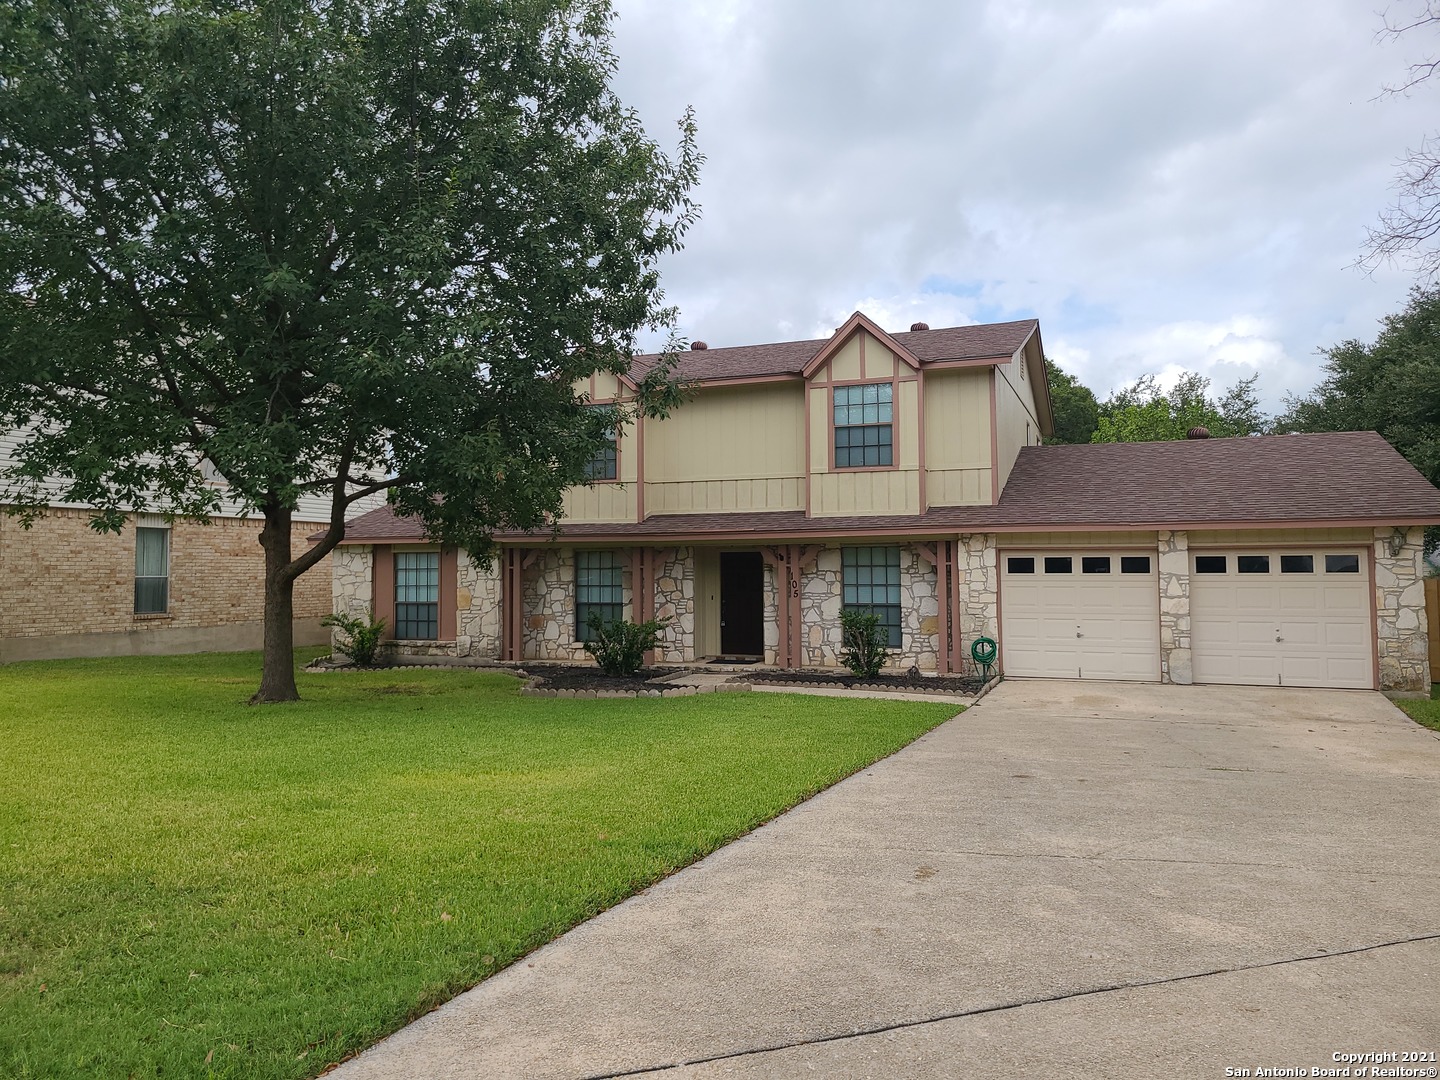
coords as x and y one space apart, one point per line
66 590
904 474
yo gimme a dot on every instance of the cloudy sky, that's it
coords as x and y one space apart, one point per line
1178 184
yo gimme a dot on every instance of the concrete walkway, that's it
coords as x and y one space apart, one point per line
1069 879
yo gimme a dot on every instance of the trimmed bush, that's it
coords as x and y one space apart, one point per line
619 647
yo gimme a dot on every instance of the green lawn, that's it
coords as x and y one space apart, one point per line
190 886
1425 712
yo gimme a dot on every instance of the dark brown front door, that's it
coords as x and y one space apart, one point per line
742 603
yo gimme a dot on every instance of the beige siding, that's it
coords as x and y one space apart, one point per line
1015 413
1112 539
602 502
957 437
707 496
1243 537
728 448
883 491
707 602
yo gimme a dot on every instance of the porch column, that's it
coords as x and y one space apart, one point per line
642 589
941 555
513 563
789 563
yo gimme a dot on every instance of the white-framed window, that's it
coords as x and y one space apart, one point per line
864 432
152 571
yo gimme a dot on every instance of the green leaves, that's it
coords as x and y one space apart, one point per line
1144 413
322 243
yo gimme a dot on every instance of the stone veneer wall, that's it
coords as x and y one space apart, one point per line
352 589
822 596
477 607
675 600
978 582
1174 567
549 591
1403 640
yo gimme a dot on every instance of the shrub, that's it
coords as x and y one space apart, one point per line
359 638
866 643
619 647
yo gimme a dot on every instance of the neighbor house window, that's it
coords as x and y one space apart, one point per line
605 465
417 595
863 426
598 590
871 580
152 571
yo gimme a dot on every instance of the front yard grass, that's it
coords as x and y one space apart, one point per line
1425 712
190 886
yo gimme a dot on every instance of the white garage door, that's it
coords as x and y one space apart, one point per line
1281 618
1080 614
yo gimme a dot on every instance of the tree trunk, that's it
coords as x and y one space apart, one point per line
277 673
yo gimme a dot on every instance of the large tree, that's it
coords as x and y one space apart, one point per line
330 246
1073 404
1142 412
1391 385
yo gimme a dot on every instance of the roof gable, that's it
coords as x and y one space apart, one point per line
854 325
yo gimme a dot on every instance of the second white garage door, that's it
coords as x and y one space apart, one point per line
1080 615
1281 618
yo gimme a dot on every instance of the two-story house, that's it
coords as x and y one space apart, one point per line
906 474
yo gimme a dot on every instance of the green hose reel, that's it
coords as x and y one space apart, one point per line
982 651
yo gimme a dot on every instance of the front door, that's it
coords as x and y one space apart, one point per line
742 603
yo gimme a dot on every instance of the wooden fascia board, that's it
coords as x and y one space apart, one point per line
1041 378
858 321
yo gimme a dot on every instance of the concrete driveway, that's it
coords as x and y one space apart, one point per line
1070 879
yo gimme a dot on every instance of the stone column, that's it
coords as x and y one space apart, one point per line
1402 639
477 606
978 585
675 600
1175 657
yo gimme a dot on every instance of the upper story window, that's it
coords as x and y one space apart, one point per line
864 426
152 571
606 462
417 595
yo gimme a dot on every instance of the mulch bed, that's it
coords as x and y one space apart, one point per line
581 677
945 684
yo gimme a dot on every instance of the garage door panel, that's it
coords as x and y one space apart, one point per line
1322 622
1098 625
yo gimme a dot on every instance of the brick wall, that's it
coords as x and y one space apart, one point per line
60 577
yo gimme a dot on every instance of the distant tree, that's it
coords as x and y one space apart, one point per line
1142 412
1391 386
1075 409
335 247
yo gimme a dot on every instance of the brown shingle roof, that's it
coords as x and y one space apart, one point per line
1270 480
986 341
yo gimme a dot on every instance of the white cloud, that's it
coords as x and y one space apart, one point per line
1182 183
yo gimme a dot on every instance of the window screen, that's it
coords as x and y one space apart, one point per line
417 595
598 590
863 426
871 582
152 571
1342 564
